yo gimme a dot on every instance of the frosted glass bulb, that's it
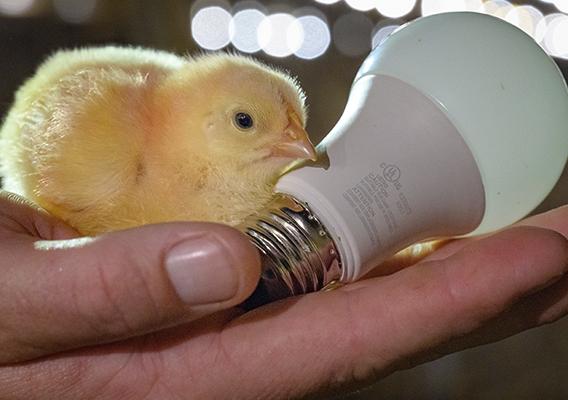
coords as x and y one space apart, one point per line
457 124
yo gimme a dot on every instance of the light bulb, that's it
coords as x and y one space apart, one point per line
455 125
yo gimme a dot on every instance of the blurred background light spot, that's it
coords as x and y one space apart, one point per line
243 30
542 28
15 7
75 12
210 28
249 5
395 9
381 34
305 32
430 7
352 34
364 5
525 17
556 38
280 35
497 8
317 37
472 5
562 5
560 38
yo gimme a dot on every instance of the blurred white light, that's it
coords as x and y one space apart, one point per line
242 5
363 5
497 8
543 26
210 28
15 7
73 11
473 5
560 38
280 35
243 30
382 34
317 37
430 7
525 17
562 5
555 41
327 1
352 34
395 9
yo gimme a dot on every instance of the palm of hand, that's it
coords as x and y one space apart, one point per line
465 293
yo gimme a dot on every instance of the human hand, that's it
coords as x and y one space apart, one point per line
59 291
466 293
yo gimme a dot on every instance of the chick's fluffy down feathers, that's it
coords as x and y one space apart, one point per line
111 138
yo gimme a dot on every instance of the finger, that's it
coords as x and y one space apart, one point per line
544 307
556 220
19 215
369 327
320 338
448 298
65 294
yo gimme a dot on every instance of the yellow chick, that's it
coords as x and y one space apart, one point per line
110 138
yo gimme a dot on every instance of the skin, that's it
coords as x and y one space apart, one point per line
463 293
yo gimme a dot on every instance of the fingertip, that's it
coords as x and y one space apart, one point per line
555 219
241 255
510 264
548 247
245 258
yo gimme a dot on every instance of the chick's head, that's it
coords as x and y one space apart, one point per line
251 118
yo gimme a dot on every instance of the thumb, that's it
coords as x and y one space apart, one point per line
71 293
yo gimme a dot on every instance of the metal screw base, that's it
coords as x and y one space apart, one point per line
298 255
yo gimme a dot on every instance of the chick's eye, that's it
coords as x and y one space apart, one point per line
243 120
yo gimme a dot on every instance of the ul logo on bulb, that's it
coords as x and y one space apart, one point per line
392 174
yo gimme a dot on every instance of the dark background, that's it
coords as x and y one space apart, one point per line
529 366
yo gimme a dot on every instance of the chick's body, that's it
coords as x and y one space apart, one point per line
111 138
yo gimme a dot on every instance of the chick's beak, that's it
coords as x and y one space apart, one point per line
295 142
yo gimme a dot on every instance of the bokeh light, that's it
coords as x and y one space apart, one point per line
306 34
280 35
395 9
243 30
497 8
249 5
555 41
317 37
382 34
362 5
526 18
562 5
75 12
560 37
352 34
210 27
430 7
543 27
16 7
